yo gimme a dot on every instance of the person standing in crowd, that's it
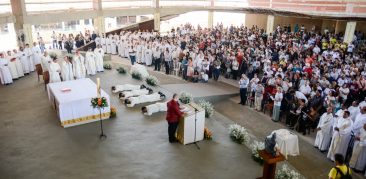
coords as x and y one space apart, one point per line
99 55
243 85
173 116
358 160
12 65
54 40
69 45
78 65
132 54
167 60
45 63
157 59
259 91
324 129
277 104
67 70
90 62
5 75
54 70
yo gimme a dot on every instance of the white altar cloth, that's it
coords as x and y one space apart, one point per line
73 107
287 142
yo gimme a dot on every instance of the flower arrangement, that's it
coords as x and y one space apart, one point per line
286 173
255 147
152 80
107 66
208 107
113 112
53 55
207 134
136 75
99 102
185 97
238 134
121 70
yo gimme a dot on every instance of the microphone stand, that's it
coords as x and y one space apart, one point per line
195 127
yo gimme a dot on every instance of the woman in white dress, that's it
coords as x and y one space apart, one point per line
66 70
5 75
54 71
90 62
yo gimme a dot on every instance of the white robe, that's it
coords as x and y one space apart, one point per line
90 63
157 107
323 136
19 66
358 159
66 71
127 47
29 54
99 54
36 55
126 87
137 92
341 138
109 45
54 71
148 57
113 47
25 62
79 67
103 42
139 53
45 63
5 75
144 99
13 67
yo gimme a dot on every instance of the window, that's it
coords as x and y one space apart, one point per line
51 5
5 6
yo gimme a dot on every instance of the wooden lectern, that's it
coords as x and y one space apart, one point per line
269 166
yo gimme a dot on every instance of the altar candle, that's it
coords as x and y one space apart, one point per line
98 87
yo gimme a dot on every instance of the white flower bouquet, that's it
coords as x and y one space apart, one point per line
238 134
286 173
152 80
185 97
208 107
136 75
255 147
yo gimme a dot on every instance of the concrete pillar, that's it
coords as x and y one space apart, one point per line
157 21
99 21
350 31
270 24
210 19
19 12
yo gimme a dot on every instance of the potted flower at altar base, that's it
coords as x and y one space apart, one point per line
208 107
207 134
113 112
107 66
152 80
121 70
255 147
238 134
136 75
286 173
185 97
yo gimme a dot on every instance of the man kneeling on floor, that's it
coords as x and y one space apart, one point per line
172 116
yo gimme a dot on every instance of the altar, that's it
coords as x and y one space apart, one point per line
71 100
186 128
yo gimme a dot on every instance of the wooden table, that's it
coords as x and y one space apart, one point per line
269 166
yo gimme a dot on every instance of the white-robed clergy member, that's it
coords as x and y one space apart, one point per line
341 136
103 43
358 160
18 63
108 42
29 54
54 70
90 62
36 54
79 66
66 69
24 60
5 75
148 56
45 63
12 65
99 54
324 133
113 46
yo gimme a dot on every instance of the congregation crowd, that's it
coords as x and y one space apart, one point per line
312 80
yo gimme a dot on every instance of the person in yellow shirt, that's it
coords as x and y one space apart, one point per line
341 170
